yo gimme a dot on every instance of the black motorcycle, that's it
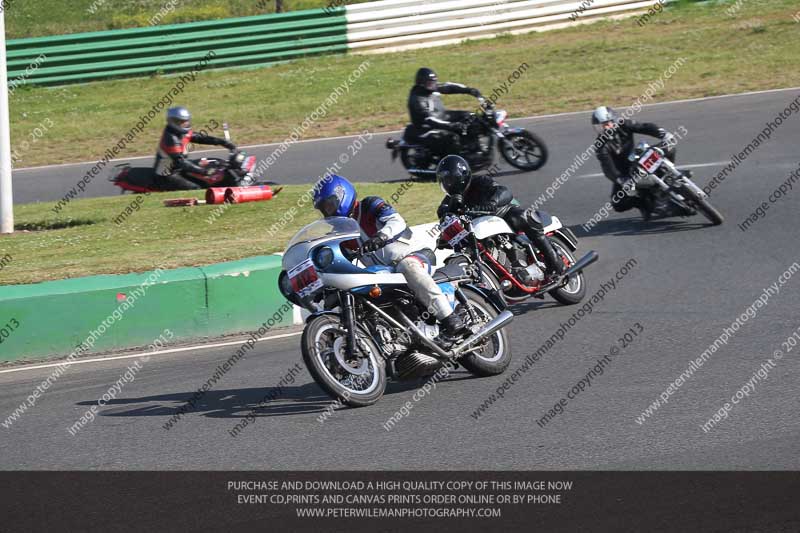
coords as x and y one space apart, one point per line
520 148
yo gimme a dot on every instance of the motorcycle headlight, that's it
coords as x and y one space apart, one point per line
285 286
323 257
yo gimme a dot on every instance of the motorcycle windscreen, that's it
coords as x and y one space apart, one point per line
318 231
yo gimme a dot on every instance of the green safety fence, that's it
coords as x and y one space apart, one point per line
243 41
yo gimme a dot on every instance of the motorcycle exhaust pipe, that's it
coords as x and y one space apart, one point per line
582 263
413 328
490 328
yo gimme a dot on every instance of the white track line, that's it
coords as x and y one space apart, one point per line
689 100
696 165
159 352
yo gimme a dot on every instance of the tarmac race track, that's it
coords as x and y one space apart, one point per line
687 282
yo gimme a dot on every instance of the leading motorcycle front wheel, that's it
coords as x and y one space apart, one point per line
357 379
524 150
703 205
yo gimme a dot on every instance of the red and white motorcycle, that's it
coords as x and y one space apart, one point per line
508 262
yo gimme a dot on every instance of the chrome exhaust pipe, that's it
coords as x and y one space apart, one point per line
432 346
490 328
581 263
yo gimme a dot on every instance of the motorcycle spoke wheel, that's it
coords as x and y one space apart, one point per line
356 374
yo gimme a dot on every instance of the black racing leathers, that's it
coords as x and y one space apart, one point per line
431 122
482 193
613 151
172 167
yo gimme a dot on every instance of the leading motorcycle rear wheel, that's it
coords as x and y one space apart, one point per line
356 381
575 290
494 354
418 159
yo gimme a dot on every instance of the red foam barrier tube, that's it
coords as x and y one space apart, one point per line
239 195
215 195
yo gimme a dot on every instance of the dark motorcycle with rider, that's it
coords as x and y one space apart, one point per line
435 132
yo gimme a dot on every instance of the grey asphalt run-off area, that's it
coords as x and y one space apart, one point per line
690 281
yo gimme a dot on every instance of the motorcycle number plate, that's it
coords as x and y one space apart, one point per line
453 231
650 161
304 279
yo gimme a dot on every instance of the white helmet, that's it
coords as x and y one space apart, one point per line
601 116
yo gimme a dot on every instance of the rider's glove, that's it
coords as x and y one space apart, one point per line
474 92
229 145
667 138
375 243
627 184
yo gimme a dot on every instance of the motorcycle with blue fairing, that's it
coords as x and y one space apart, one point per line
365 325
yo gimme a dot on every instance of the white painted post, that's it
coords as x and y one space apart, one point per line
6 199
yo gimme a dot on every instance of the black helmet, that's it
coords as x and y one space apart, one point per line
427 78
453 175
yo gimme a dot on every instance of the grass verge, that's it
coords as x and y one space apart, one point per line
610 62
90 242
33 18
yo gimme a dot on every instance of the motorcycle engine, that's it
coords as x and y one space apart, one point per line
529 274
393 344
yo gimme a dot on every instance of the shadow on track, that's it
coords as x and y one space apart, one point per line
513 172
631 227
303 399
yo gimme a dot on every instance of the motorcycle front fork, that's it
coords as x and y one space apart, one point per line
349 318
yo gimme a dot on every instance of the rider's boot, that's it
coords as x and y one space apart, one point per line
553 262
452 328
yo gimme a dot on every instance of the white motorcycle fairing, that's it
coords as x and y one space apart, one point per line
489 226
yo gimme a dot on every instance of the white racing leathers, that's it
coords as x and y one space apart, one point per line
375 216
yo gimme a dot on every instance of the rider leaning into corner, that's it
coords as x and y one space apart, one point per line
482 193
432 123
387 241
615 142
172 168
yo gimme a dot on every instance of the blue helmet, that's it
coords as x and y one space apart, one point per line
334 196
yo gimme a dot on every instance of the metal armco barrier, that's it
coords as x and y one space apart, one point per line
244 41
261 40
405 24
